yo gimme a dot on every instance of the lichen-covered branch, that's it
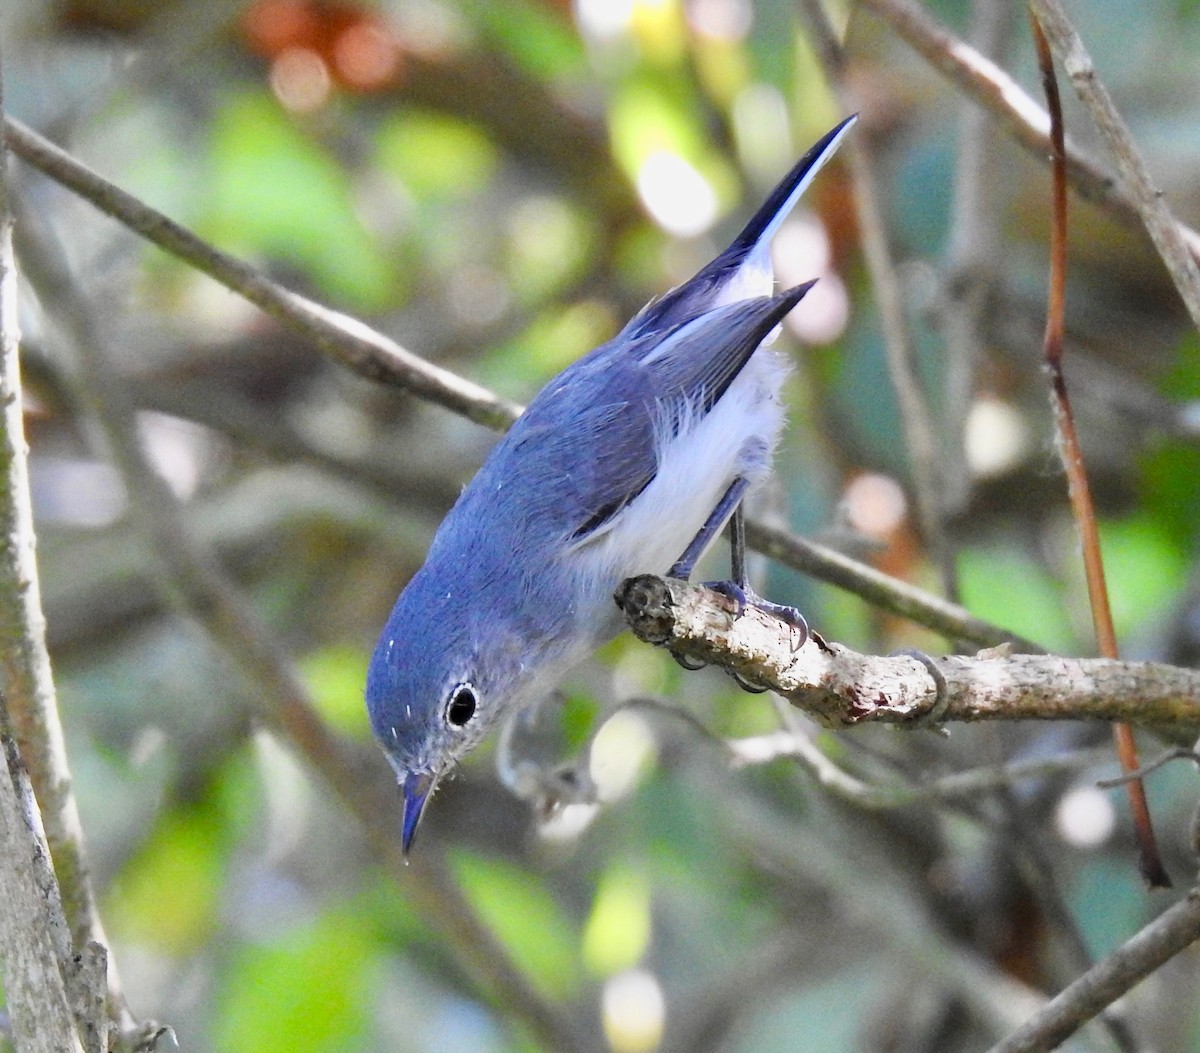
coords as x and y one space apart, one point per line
33 931
841 688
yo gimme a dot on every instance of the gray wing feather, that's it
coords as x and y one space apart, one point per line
586 446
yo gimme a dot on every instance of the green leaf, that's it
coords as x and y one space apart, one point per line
618 931
168 895
521 912
554 340
534 35
1144 571
1006 587
308 988
435 156
335 675
273 192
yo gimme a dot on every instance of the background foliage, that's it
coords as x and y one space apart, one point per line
498 186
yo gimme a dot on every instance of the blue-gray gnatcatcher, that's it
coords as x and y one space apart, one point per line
630 461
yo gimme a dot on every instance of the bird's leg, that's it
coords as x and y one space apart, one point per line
738 589
730 501
744 596
686 563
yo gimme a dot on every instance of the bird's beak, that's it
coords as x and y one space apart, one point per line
417 786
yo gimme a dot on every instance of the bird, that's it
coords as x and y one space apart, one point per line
629 461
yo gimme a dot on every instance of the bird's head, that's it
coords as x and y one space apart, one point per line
441 677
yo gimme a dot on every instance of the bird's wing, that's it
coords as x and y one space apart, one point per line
654 388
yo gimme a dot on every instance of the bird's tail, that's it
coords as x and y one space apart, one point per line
756 236
743 271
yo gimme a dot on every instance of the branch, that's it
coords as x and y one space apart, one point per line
1173 931
352 343
34 937
1026 121
42 836
1151 206
916 420
1070 450
891 594
841 688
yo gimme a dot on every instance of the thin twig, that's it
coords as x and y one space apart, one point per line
841 688
1161 225
193 580
1173 931
1026 121
971 260
1078 486
30 703
351 342
920 438
797 744
36 941
891 594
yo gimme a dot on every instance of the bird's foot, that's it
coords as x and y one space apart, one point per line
744 596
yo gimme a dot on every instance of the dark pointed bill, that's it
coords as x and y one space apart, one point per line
417 786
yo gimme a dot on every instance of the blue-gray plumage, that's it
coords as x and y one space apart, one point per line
627 462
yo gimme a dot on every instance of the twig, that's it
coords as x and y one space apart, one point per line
993 88
345 339
192 579
971 255
1170 933
1162 227
920 438
891 594
841 688
30 708
1173 754
1078 487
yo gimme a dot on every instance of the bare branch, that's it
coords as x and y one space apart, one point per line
920 438
1173 931
891 594
970 267
995 89
351 342
1161 225
841 688
1079 488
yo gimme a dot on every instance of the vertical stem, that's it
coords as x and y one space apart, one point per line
35 945
1150 863
920 437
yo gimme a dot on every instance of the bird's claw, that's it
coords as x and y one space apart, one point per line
932 718
687 661
743 596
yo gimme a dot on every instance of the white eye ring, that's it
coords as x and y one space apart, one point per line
464 701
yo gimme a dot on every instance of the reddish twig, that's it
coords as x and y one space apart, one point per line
1078 487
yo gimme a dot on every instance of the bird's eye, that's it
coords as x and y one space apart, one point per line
461 709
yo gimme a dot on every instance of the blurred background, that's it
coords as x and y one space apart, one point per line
498 187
